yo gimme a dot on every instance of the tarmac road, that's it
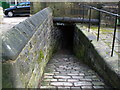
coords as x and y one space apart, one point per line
9 22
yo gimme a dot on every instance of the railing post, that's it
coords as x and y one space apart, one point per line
99 24
114 36
89 20
83 12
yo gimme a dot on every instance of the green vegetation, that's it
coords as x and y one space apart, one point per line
5 5
26 59
79 50
101 29
6 82
41 56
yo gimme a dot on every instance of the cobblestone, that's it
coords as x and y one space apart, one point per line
98 87
61 84
84 79
62 77
62 80
87 87
98 83
77 77
73 80
69 73
76 88
82 83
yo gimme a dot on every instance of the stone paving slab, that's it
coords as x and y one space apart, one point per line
107 37
66 72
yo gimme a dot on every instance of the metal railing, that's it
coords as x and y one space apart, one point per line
99 24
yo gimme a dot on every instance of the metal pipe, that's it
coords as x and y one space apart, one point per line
103 11
74 20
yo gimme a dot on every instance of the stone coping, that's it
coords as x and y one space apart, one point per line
104 51
14 40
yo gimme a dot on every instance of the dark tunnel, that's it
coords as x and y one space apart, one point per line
67 35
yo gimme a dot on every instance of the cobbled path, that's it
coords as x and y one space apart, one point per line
65 72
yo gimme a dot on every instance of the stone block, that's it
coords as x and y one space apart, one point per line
97 55
25 29
66 84
62 77
12 43
25 50
73 80
82 83
16 38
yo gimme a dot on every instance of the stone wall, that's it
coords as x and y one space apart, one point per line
26 48
94 54
75 9
60 9
1 15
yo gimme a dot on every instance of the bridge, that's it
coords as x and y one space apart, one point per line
38 53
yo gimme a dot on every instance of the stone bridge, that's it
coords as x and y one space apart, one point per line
38 53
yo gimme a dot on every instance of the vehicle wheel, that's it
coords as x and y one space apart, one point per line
10 14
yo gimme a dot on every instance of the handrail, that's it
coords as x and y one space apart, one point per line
99 24
103 11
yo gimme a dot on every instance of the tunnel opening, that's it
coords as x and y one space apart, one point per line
66 70
67 35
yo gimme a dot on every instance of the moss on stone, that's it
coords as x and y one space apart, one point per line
26 59
41 56
6 80
80 51
44 83
103 30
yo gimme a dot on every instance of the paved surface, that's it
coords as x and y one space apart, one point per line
66 72
104 45
9 22
106 35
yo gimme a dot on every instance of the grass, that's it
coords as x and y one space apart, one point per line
102 30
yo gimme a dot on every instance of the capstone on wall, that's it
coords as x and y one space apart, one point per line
26 48
87 49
